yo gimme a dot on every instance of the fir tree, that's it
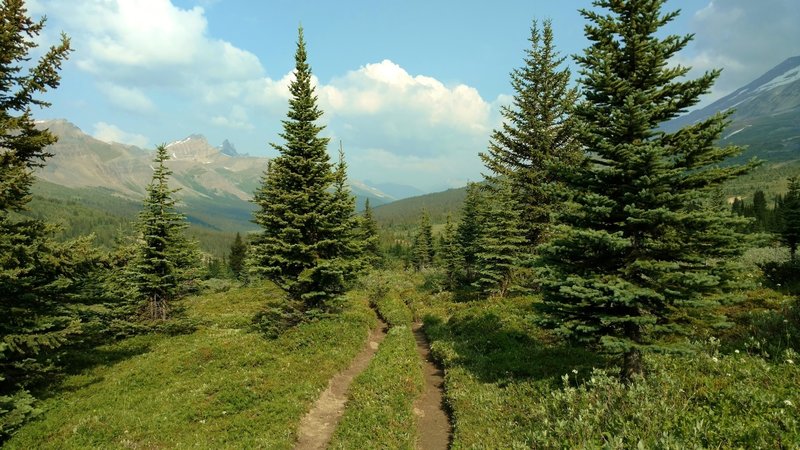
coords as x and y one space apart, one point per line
370 238
501 242
423 251
35 272
643 242
347 247
299 248
790 215
760 210
237 256
450 254
164 257
469 230
537 140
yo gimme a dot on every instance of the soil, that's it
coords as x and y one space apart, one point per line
317 427
433 422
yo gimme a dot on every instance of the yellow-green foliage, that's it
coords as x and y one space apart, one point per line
223 386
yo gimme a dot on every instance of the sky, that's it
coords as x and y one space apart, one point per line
411 88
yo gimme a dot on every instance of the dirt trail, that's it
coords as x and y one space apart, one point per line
317 427
434 425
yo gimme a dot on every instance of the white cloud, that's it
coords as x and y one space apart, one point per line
111 133
744 37
151 43
237 119
129 99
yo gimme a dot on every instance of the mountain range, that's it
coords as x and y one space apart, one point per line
216 183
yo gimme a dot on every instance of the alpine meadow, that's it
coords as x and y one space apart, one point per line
576 240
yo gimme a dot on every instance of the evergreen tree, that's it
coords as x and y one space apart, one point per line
164 257
760 210
501 242
369 237
423 251
450 254
537 141
237 256
644 240
790 215
300 247
469 230
36 274
347 247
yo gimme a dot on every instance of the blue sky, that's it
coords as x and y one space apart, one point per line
412 88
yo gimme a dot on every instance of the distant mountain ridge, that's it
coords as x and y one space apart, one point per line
216 183
766 116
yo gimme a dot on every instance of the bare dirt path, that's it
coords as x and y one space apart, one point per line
435 431
317 427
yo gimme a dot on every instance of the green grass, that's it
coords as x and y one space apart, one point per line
223 386
379 410
511 385
380 406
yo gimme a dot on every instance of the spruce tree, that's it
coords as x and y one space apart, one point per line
537 142
423 251
450 254
299 247
644 241
790 217
760 210
500 243
346 250
370 238
469 230
237 256
35 272
164 257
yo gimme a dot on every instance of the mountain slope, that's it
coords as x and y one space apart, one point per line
766 117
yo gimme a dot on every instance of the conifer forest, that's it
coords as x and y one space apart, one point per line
618 278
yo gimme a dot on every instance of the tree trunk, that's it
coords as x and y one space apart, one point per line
632 365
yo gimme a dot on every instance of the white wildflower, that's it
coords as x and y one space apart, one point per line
736 351
788 403
575 371
789 361
715 359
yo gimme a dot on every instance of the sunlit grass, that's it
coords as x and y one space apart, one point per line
224 385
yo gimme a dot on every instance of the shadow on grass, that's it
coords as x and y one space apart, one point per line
495 351
77 360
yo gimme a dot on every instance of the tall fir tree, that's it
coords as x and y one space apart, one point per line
450 254
164 257
538 139
35 272
423 251
469 230
370 237
237 256
299 247
790 218
501 243
643 242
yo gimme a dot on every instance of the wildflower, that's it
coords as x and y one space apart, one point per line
715 359
789 361
788 403
736 351
575 371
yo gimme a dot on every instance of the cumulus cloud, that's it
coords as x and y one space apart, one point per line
744 37
237 119
151 43
129 99
111 133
